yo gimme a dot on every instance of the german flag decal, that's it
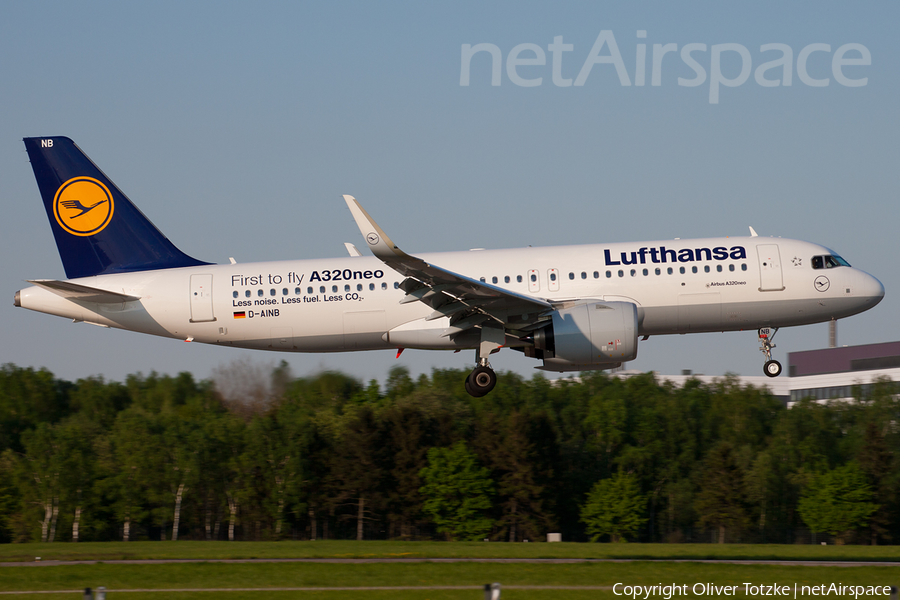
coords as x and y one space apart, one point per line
240 315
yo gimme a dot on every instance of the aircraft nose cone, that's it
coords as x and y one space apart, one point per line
872 289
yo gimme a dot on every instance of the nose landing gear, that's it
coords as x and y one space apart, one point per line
772 368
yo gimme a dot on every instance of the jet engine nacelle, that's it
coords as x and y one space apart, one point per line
587 337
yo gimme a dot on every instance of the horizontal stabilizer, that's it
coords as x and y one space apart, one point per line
74 291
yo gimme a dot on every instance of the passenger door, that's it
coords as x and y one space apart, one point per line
201 299
770 277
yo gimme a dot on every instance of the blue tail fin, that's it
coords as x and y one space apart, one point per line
97 228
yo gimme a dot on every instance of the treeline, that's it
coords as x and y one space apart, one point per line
257 454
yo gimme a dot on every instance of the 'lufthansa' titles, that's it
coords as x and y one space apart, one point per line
663 255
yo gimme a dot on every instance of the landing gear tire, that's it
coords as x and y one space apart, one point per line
772 368
469 389
481 381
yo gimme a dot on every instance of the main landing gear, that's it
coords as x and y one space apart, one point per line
483 379
772 368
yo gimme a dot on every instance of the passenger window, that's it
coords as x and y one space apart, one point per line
571 275
694 269
494 279
658 272
719 268
259 293
646 272
234 294
518 278
552 276
347 288
608 274
706 268
483 280
731 267
396 285
506 279
583 275
247 294
322 289
596 274
621 273
669 270
743 267
284 292
384 285
633 272
533 278
297 291
309 290
272 292
334 289
358 287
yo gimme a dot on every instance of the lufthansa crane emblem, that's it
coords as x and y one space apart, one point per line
83 206
822 284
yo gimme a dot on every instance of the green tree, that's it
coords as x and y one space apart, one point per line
272 474
9 496
412 424
614 507
28 397
78 458
721 500
457 492
40 476
517 448
837 501
131 460
877 462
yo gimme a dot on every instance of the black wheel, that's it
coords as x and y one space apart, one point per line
481 381
772 368
469 389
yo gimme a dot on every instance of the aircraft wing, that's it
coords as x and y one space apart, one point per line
74 291
468 302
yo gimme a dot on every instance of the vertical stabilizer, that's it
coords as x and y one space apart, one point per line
97 228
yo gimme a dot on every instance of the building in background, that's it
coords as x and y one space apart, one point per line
825 375
832 373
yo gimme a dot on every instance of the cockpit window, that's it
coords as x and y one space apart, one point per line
828 262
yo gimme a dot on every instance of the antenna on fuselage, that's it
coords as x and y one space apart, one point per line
753 232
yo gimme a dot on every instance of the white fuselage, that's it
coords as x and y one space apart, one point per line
353 303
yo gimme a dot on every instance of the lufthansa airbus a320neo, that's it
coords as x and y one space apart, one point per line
574 308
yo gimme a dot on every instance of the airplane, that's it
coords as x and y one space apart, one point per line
574 308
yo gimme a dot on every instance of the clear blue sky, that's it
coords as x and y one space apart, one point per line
236 127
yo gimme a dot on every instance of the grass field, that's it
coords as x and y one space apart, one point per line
378 549
221 576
